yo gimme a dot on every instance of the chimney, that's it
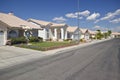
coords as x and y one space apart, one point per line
11 13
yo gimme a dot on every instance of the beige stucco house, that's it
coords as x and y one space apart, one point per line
73 33
92 34
13 27
115 35
84 34
50 30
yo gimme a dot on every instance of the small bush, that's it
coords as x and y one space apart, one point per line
68 40
35 39
18 40
40 39
82 40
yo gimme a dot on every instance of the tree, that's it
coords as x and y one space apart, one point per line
109 32
105 35
99 35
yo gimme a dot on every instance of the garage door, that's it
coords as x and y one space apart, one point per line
1 38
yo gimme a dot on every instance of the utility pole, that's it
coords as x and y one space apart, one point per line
78 16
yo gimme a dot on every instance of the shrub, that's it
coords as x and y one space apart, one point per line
82 40
35 39
68 40
18 40
40 39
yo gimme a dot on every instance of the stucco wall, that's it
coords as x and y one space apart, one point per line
4 29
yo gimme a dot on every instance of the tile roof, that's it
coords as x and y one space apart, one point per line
115 33
83 30
72 29
57 25
45 23
16 22
92 32
40 22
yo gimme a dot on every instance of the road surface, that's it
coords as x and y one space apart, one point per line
100 61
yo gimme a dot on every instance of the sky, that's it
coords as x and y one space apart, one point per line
93 14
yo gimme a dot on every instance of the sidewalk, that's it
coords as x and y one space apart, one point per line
22 55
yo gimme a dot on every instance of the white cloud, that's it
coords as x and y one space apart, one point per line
115 20
71 15
93 16
84 13
100 28
96 21
111 15
108 16
75 15
59 19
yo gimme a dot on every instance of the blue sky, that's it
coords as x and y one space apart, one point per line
94 14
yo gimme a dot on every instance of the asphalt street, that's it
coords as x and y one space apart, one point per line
100 61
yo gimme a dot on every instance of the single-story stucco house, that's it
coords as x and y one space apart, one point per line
13 27
115 35
73 33
50 30
84 34
92 34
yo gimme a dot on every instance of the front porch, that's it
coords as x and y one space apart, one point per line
58 34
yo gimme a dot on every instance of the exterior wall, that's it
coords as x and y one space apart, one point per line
45 33
41 33
87 36
4 29
58 33
82 36
14 35
35 33
76 35
70 35
115 36
21 33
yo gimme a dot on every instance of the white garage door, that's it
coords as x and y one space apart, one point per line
1 38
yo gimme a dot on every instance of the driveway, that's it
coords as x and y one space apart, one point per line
10 55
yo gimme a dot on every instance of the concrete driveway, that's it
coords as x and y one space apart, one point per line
10 55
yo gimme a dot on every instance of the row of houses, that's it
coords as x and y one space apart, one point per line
12 26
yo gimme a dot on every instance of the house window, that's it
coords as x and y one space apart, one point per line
12 34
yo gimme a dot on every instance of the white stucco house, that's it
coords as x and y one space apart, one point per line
83 33
87 34
73 33
92 34
115 35
50 31
13 27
